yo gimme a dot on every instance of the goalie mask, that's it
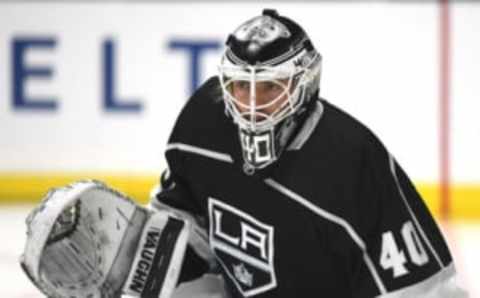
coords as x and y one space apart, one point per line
268 73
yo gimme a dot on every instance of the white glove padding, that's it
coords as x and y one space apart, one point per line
87 240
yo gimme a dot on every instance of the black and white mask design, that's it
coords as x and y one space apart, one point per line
268 72
261 31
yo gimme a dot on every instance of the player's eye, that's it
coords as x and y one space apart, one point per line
242 85
270 86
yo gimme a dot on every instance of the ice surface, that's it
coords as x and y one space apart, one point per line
463 239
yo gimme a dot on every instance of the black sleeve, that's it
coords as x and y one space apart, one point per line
176 192
404 245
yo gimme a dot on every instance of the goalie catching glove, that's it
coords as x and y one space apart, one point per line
87 240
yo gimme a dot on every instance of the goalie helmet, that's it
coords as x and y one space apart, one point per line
269 73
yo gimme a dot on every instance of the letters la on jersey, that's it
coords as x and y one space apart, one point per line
244 247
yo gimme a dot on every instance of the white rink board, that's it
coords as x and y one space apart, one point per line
466 92
381 64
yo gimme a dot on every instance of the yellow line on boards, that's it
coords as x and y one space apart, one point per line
466 201
31 187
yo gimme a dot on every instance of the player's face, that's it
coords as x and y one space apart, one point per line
268 97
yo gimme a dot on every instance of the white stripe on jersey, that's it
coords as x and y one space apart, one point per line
440 285
200 151
410 211
198 238
335 219
307 128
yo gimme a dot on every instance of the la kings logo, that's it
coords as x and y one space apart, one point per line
244 247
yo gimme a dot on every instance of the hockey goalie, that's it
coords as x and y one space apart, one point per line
268 184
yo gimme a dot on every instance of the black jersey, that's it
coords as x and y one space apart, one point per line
335 216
